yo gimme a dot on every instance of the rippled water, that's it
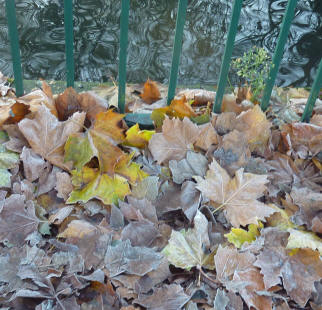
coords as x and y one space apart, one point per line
151 33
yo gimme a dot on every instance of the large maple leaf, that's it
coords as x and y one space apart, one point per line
176 139
47 136
238 196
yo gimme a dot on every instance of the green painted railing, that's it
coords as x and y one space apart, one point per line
181 17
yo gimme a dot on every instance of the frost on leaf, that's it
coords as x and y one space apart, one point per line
176 139
186 248
238 196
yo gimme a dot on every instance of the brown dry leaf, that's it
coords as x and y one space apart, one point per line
60 215
238 196
33 164
198 96
304 135
38 98
228 260
254 124
92 104
229 104
12 113
63 185
233 151
225 122
17 141
182 108
17 219
255 282
47 136
67 104
150 92
176 139
298 271
310 208
207 137
170 297
316 120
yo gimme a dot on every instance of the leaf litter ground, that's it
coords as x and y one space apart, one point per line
205 212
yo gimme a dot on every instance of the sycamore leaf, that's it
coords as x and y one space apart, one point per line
186 248
254 124
303 239
176 139
182 108
207 137
136 137
108 154
170 297
130 170
8 160
47 136
239 236
150 92
13 112
91 184
17 219
238 195
78 150
110 125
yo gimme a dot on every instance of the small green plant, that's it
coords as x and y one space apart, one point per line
252 69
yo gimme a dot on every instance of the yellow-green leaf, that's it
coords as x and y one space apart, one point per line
299 239
239 236
136 137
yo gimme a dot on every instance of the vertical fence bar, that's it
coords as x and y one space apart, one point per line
14 42
227 55
181 18
69 42
317 85
123 53
278 54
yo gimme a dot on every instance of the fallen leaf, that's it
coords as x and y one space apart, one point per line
299 239
198 96
239 236
123 257
255 126
238 196
170 297
17 219
194 164
207 137
33 164
89 184
8 160
150 92
63 185
186 248
67 104
17 141
181 108
176 139
136 137
47 136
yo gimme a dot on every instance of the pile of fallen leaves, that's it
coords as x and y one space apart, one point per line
206 212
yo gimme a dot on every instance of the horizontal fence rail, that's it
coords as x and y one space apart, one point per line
177 50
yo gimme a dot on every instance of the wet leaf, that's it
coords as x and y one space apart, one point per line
186 248
237 196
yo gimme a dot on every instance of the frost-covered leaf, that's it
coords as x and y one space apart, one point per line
17 219
170 297
176 139
303 239
194 164
123 257
47 136
238 196
186 248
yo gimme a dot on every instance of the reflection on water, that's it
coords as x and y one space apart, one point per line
151 34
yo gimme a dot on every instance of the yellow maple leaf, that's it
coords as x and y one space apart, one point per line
136 137
90 184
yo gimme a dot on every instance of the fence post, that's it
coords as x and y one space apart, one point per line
14 42
123 53
69 42
278 54
317 84
177 47
227 55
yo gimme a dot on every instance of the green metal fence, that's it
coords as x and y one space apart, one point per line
181 17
